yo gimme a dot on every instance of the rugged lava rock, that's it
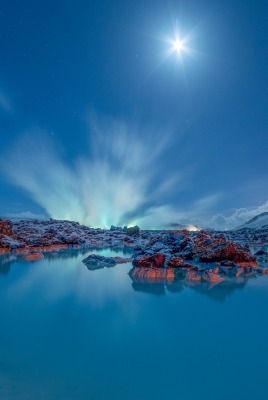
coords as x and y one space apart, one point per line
154 261
94 261
6 228
193 256
26 235
166 256
229 251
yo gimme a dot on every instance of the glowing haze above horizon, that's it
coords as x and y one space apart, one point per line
151 113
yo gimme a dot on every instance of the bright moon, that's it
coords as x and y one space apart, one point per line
178 45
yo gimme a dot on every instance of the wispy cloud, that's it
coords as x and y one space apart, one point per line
120 182
205 203
238 217
110 186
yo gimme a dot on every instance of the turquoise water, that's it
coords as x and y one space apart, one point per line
69 333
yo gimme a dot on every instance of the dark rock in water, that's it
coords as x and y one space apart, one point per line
230 252
153 261
176 262
94 261
122 260
180 263
133 231
158 256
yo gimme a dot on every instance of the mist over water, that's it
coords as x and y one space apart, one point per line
118 182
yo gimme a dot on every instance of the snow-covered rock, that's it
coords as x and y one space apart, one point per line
258 222
36 233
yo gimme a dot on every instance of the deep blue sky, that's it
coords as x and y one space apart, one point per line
62 60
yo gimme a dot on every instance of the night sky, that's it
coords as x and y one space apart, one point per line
200 115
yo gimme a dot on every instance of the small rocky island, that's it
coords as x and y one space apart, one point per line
157 256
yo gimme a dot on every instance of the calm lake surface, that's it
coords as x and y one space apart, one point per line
70 333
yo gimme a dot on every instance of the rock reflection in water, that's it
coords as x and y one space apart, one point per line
157 289
218 292
6 260
165 281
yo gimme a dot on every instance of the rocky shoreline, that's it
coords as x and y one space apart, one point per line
32 236
195 256
158 256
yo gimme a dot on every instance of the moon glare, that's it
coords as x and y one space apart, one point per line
178 45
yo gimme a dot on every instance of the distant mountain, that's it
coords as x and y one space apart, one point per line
258 222
24 216
174 225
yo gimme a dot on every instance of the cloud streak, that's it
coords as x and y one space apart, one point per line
119 182
118 179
